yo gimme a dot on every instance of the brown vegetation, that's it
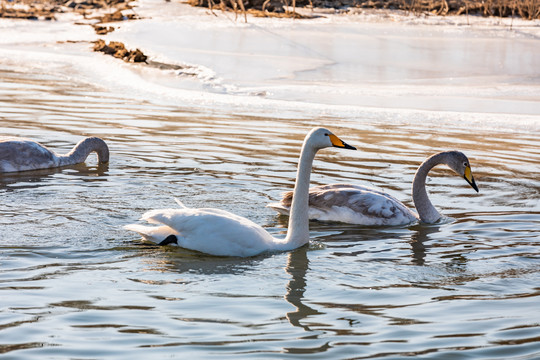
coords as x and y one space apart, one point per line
527 9
45 9
118 50
30 10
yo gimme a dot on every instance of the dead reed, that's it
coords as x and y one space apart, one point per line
526 9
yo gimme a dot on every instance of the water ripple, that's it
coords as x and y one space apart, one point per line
71 278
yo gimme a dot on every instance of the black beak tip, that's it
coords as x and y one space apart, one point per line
171 239
347 146
473 184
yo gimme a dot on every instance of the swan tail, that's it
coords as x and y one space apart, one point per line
152 233
161 226
278 207
181 204
171 218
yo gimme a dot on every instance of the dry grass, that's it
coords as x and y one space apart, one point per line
46 9
526 9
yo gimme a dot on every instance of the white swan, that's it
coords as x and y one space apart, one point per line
20 154
363 205
221 233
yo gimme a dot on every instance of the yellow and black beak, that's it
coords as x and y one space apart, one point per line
337 142
469 178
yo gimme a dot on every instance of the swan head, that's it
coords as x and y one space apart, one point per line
171 239
320 138
461 166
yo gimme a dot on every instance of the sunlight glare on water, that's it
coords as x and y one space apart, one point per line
74 284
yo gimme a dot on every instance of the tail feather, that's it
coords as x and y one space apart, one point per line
153 216
286 198
283 210
152 233
180 203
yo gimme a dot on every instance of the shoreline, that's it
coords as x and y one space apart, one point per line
107 11
399 65
107 15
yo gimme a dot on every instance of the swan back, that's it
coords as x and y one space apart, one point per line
21 154
211 231
353 204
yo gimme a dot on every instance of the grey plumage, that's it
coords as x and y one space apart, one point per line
363 205
21 154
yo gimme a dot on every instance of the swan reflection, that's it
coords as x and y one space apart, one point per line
297 266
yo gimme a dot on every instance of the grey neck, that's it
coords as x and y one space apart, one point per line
81 151
426 210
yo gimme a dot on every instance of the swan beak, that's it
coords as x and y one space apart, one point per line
337 142
469 178
171 239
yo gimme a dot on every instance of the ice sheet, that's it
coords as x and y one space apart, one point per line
356 60
340 65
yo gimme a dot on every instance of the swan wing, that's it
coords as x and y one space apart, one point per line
211 231
20 154
352 204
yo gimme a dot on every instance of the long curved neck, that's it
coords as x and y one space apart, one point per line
298 232
426 210
81 151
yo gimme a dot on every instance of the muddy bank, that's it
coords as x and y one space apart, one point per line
46 9
118 50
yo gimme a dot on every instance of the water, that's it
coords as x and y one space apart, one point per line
74 284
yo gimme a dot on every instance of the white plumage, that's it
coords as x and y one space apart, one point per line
219 232
210 231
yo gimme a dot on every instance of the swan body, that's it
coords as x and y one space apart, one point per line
362 205
210 231
353 204
20 154
221 233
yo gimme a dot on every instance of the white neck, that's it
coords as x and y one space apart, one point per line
298 232
426 210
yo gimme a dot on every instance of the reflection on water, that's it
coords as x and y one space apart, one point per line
297 267
36 178
73 284
420 241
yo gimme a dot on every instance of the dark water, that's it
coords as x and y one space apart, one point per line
74 284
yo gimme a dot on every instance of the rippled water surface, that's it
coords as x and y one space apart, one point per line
74 284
